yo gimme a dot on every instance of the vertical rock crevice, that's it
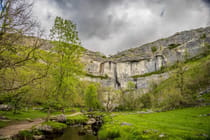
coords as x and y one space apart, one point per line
101 69
117 83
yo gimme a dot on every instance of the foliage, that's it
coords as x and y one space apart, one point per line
188 123
110 98
66 67
154 49
203 36
64 31
91 97
55 125
30 114
25 134
129 97
78 119
182 88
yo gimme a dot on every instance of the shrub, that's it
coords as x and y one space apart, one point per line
154 49
203 36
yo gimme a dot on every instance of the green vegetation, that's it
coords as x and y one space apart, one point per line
203 36
162 70
91 97
172 46
78 119
154 49
55 125
31 114
182 88
25 134
51 80
189 123
97 76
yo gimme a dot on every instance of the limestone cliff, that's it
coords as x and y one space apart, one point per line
117 70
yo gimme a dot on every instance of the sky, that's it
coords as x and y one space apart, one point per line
111 26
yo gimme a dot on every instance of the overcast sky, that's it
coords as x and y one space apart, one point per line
110 26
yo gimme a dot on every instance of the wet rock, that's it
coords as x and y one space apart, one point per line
4 107
204 135
38 137
207 90
91 121
3 118
161 135
45 128
61 118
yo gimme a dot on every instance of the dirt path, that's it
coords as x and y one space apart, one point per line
12 130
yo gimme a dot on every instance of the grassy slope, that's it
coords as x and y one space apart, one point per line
188 123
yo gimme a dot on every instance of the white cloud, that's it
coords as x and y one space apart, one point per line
110 27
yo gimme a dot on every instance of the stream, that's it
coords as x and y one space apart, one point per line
72 133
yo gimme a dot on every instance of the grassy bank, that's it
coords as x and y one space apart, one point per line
188 123
25 115
29 115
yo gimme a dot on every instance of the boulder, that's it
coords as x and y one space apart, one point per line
45 128
61 118
161 135
38 137
91 121
4 107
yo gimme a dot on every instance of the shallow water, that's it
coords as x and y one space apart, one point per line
71 133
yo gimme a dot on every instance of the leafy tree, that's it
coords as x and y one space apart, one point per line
66 67
91 97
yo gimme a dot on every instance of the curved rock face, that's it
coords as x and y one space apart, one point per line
120 68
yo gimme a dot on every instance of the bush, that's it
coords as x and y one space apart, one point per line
203 36
154 49
146 100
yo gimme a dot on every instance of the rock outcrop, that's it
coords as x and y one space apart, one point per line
117 70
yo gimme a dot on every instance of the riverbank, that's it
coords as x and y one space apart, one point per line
11 125
186 123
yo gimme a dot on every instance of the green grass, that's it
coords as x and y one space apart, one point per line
188 123
55 125
78 119
20 116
